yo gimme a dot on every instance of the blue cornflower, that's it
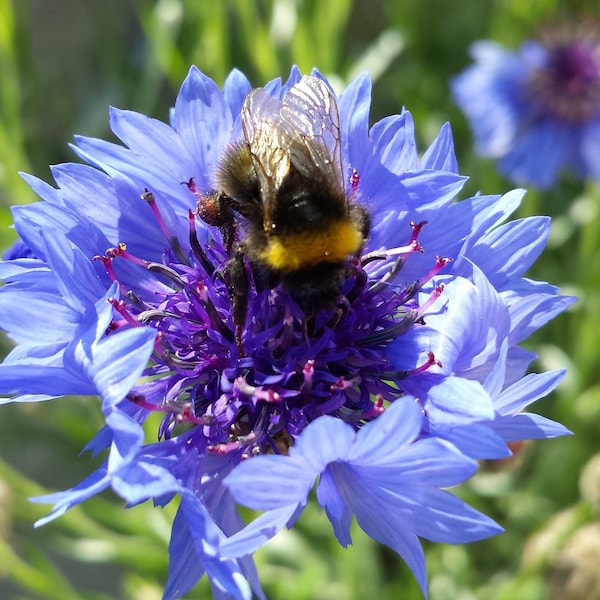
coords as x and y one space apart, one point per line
537 109
386 397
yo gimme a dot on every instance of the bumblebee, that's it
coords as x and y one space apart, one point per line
281 203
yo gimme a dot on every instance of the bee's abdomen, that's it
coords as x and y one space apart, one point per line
297 251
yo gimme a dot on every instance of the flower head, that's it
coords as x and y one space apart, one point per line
386 393
536 110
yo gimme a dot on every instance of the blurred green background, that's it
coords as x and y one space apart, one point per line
63 62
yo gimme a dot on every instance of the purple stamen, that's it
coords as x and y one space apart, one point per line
294 368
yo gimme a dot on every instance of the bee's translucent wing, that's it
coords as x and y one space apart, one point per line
302 131
267 139
310 117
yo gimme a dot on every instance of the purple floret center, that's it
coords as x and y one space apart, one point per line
568 87
293 369
576 66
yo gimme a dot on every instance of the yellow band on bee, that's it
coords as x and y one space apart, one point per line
302 250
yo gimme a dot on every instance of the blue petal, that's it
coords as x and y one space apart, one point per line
338 512
253 482
326 439
140 472
440 155
118 361
385 529
202 120
215 495
455 402
445 234
43 223
43 189
494 81
394 142
112 206
493 210
63 501
431 187
77 279
400 424
295 76
478 441
147 137
41 317
533 307
354 105
428 462
518 361
464 331
128 438
113 363
448 519
496 378
235 89
88 189
38 379
590 148
509 250
225 574
102 440
156 159
539 154
526 426
184 571
394 508
259 531
25 270
527 390
28 398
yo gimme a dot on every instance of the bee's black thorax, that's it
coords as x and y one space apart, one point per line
304 205
281 203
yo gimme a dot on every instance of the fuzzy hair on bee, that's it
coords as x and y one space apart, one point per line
280 200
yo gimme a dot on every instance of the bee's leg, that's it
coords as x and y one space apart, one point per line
216 209
238 286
